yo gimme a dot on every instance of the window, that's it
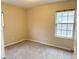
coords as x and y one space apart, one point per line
65 24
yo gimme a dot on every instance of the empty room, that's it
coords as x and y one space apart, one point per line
38 29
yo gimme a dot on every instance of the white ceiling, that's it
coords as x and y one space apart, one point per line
30 3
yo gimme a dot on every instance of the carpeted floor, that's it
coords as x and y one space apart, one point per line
32 50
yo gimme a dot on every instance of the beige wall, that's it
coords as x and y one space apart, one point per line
37 24
41 20
15 21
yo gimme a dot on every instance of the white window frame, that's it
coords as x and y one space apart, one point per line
64 23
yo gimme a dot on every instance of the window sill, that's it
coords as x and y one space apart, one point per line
64 38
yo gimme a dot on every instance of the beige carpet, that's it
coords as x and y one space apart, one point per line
32 50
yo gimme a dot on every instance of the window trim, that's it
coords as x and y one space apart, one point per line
66 10
66 23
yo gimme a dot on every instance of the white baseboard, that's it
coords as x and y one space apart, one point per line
68 49
14 42
64 48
